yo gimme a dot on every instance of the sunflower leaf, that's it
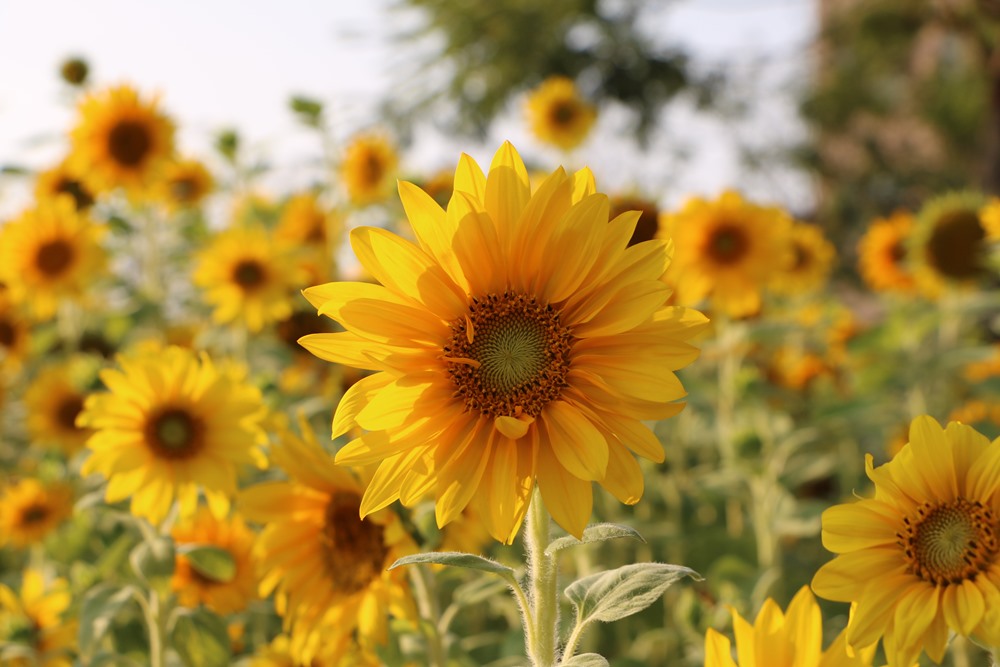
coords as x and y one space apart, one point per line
596 533
456 559
615 594
200 639
153 560
212 562
586 660
97 612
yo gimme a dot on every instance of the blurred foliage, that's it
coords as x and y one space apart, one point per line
900 104
491 52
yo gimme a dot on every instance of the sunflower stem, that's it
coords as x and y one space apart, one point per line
430 610
151 614
959 652
542 573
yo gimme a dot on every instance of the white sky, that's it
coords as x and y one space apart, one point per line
235 63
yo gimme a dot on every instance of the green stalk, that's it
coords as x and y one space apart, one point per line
430 611
542 574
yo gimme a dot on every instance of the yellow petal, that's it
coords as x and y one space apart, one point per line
513 427
577 443
568 498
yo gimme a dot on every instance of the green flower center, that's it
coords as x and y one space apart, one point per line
355 549
129 143
54 257
949 543
727 244
509 356
175 433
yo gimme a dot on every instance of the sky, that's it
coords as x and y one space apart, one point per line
234 64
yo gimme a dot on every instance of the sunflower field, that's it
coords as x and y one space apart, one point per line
500 415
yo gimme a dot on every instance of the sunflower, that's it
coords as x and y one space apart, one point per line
50 253
248 277
328 567
728 250
558 115
121 140
812 259
304 221
989 216
338 650
15 334
499 362
923 555
171 423
649 216
185 184
35 619
367 168
948 243
53 401
882 254
977 371
31 510
793 639
64 180
193 586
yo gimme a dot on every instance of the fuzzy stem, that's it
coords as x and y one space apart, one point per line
430 610
543 574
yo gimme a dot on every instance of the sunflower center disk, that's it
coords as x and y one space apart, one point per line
67 412
33 514
563 113
129 142
355 550
174 434
248 274
54 257
7 334
727 244
955 247
510 356
949 543
75 189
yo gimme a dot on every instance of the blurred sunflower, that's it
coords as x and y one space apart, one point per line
195 586
498 363
15 334
337 650
329 567
35 619
948 243
795 368
171 424
793 639
248 277
64 180
31 510
304 221
649 216
922 556
439 186
558 115
121 140
53 400
984 415
989 215
811 260
185 183
977 371
367 168
882 254
50 253
727 250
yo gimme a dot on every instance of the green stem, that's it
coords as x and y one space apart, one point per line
430 610
959 652
542 573
151 614
571 643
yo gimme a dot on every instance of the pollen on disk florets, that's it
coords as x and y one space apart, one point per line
509 355
949 543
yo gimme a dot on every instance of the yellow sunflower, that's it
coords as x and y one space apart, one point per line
328 567
500 362
35 619
30 510
367 168
923 555
977 371
727 250
193 586
649 216
185 183
248 277
121 141
948 243
171 424
15 334
53 400
792 639
558 115
882 254
812 259
337 650
304 221
50 253
64 180
989 215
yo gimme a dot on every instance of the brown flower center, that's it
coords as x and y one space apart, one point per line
174 433
54 257
727 244
301 323
82 199
509 356
897 252
8 333
955 246
649 218
68 410
563 113
948 543
129 142
249 274
355 549
185 190
372 169
35 513
802 258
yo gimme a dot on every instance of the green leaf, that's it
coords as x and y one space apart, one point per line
153 559
596 533
200 639
615 594
456 559
97 612
586 660
211 562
